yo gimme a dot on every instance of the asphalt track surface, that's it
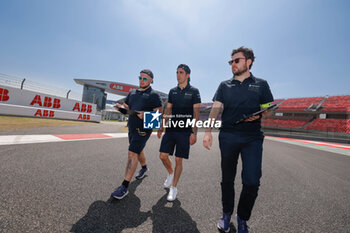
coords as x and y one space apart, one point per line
66 187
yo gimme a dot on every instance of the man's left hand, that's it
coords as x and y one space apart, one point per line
193 139
252 118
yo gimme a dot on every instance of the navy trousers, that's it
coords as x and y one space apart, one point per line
232 144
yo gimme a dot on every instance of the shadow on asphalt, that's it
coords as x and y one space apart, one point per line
116 215
113 215
171 219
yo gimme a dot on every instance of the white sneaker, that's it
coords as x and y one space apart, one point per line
172 194
169 180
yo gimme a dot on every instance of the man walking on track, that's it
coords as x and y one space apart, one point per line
183 106
142 99
241 95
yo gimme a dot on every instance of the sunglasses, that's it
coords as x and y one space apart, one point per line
235 60
143 78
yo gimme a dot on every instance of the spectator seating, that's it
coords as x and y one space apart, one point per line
333 125
299 104
337 104
277 101
284 123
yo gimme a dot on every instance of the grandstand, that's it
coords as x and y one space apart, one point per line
284 123
337 104
309 115
332 125
299 104
327 114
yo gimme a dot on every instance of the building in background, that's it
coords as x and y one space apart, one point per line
95 91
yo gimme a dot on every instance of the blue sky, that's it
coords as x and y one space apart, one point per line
301 46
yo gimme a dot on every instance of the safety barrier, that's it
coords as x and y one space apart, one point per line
20 102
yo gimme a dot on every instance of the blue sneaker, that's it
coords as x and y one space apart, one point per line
224 223
141 173
242 225
120 192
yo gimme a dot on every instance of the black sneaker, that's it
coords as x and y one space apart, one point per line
141 173
224 223
120 192
242 225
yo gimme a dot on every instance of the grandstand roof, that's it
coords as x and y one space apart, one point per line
113 87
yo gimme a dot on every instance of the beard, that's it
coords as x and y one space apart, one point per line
240 71
145 86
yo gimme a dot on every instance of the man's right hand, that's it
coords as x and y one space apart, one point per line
140 115
207 140
160 132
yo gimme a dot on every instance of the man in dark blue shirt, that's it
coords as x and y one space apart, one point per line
182 108
240 96
142 99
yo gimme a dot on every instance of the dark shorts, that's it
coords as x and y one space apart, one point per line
179 139
137 140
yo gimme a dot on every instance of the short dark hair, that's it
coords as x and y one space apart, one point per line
248 54
185 67
148 72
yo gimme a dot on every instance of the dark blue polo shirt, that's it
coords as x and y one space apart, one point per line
183 101
242 98
141 101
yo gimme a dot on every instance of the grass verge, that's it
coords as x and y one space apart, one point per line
13 123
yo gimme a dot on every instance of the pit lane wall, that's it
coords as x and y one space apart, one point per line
18 102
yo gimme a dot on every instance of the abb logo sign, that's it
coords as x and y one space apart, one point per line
56 103
4 95
121 87
45 113
50 102
19 102
83 108
116 87
84 117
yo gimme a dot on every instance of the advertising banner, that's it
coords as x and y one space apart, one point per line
16 96
17 110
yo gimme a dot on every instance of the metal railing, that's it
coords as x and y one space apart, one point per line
25 84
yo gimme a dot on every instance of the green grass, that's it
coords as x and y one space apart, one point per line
13 123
